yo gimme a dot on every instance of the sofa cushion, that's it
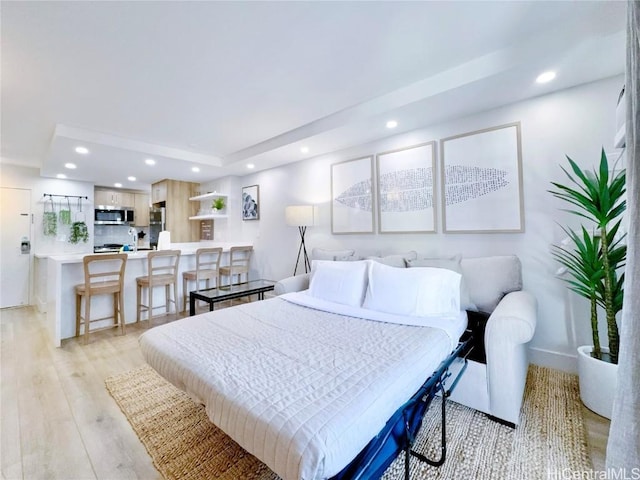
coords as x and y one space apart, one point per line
397 260
339 282
418 292
450 263
322 254
489 279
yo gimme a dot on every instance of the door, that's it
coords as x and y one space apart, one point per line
15 246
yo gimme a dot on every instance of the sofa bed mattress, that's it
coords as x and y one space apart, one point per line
302 389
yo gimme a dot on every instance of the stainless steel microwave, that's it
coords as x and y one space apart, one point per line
106 215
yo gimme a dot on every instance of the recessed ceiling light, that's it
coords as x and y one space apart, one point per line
546 77
117 185
195 169
131 179
61 175
82 150
392 124
70 165
250 166
304 149
150 161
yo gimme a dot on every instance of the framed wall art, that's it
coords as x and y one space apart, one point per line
482 181
352 196
251 202
406 190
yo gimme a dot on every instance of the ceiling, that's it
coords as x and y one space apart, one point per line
219 85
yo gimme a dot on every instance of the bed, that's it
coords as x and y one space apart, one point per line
302 382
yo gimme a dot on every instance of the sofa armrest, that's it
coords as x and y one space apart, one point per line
510 326
292 284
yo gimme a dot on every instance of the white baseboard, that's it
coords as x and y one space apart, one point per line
555 360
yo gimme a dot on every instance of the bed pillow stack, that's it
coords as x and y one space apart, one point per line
375 286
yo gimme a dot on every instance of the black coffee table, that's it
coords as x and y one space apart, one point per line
229 292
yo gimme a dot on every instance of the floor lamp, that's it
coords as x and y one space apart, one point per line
301 216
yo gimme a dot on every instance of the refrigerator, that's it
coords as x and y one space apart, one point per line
156 224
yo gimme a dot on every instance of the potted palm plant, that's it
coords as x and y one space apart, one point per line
594 262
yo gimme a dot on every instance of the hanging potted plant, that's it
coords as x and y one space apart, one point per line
594 263
79 233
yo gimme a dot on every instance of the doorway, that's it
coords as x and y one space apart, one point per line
15 246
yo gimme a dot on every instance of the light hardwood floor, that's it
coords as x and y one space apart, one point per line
59 422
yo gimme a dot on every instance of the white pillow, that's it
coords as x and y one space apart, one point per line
339 282
420 291
450 263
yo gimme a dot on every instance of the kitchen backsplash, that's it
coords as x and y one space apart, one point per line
104 234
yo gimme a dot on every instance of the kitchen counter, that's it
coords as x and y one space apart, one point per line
65 271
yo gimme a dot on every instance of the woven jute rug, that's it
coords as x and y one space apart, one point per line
549 442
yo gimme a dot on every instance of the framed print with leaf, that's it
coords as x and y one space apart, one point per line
406 190
482 181
251 202
352 196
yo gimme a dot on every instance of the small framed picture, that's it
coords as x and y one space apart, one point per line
251 202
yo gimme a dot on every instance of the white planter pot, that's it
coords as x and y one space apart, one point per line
598 381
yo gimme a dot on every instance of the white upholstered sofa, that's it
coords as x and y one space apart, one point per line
494 286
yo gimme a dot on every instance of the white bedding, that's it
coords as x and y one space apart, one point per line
301 389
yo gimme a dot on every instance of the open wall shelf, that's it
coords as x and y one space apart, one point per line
209 216
208 196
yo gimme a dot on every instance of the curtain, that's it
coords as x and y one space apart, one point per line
623 449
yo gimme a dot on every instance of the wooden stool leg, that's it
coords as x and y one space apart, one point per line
121 310
185 294
138 300
175 296
167 299
87 317
115 309
78 301
150 310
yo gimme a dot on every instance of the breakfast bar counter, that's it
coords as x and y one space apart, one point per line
66 271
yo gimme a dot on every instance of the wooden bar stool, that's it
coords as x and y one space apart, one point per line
162 272
207 266
239 258
103 275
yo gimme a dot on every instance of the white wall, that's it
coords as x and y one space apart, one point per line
577 122
15 176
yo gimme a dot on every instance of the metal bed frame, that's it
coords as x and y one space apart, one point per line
399 433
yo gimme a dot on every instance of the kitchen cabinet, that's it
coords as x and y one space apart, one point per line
113 198
178 208
159 191
141 207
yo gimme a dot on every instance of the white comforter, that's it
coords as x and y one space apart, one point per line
301 389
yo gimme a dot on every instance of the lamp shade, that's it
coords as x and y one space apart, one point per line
301 215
